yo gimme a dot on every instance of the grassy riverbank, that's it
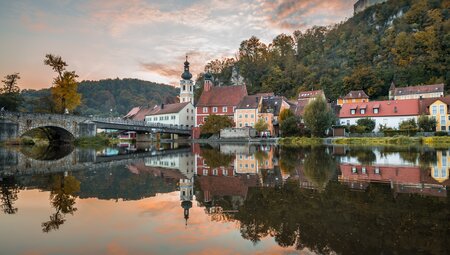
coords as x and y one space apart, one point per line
300 141
434 141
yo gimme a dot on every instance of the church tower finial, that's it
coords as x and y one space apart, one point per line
186 85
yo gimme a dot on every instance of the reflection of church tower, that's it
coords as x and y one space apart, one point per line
186 85
186 195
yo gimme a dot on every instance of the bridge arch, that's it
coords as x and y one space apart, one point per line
51 133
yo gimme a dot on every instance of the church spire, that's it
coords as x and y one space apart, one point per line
186 75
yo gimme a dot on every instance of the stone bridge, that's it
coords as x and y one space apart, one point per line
14 163
67 127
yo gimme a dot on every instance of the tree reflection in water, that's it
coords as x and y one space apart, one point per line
8 195
344 221
62 198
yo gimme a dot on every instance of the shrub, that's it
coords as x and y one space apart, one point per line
440 133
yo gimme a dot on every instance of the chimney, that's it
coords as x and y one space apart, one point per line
162 106
257 99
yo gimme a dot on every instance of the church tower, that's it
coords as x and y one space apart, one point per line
186 85
208 81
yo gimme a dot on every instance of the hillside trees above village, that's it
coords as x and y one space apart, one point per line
406 42
10 98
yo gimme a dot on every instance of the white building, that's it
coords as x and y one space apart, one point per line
180 114
386 113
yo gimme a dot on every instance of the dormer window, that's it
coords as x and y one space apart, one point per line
352 111
363 111
376 110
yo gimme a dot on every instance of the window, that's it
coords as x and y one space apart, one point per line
363 170
363 111
354 171
443 128
224 109
234 108
192 117
190 88
155 118
377 170
246 124
246 115
205 118
444 161
184 87
443 120
252 116
187 117
441 109
240 124
167 117
435 172
214 171
443 172
375 110
434 109
205 171
352 111
252 124
214 109
161 118
192 110
225 172
205 109
240 116
187 110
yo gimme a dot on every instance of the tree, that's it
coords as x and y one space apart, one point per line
214 123
261 125
409 124
65 90
284 114
366 124
292 126
10 97
426 123
318 116
9 84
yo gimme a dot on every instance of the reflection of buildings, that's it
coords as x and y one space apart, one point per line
439 170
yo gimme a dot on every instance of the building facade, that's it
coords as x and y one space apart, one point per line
180 114
355 96
416 92
218 100
388 114
246 113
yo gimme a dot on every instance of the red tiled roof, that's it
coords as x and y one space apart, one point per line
419 89
131 113
356 94
223 96
168 108
425 103
310 94
408 107
140 115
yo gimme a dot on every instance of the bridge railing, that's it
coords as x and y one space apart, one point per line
138 123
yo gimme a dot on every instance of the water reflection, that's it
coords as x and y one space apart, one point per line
320 199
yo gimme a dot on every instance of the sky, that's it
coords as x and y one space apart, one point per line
144 39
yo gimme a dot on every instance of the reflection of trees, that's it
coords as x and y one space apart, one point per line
365 156
62 198
214 158
290 158
319 167
347 222
8 195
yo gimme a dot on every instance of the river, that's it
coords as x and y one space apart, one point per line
224 199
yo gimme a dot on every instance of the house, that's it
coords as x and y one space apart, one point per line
386 113
246 112
270 109
138 113
416 92
437 108
354 96
180 114
304 98
218 100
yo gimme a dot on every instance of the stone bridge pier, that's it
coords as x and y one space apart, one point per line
60 127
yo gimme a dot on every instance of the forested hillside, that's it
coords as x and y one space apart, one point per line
99 97
403 41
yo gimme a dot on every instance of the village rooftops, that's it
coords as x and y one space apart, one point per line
222 96
356 94
272 105
167 109
407 107
412 90
249 102
310 94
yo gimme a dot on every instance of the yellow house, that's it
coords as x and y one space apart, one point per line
439 170
246 113
438 109
354 96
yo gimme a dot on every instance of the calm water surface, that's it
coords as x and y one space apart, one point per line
228 199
